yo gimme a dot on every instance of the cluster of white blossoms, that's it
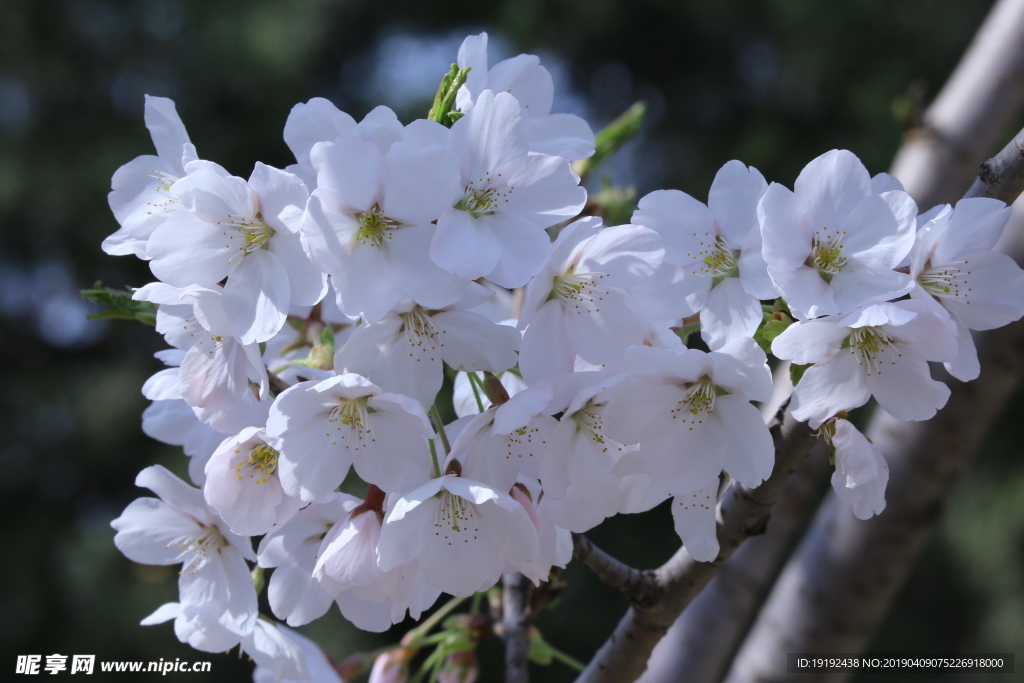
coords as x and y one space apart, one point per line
314 314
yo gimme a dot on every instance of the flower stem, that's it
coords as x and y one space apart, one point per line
435 414
474 383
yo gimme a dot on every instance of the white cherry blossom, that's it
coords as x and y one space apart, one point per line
508 197
321 428
832 245
953 264
881 350
861 472
564 135
716 250
216 595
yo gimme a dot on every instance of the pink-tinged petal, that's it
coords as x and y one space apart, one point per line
311 122
514 533
518 411
562 135
396 457
544 190
903 386
733 200
632 403
420 183
741 367
694 517
282 197
167 130
232 584
187 251
294 594
903 207
257 294
162 386
863 284
930 335
682 452
874 237
859 459
667 366
837 384
465 245
374 617
163 614
988 290
313 460
785 229
472 342
308 284
426 133
150 531
380 126
349 168
546 351
176 493
491 137
590 469
555 468
524 249
749 453
976 225
686 226
729 313
466 566
472 54
830 187
270 647
409 527
525 79
214 197
364 284
964 365
629 254
417 278
810 341
807 294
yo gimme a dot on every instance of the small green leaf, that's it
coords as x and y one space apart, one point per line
796 372
119 304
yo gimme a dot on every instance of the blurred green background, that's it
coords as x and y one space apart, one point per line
774 83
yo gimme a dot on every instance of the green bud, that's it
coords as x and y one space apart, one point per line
444 100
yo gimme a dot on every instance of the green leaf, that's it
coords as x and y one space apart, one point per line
119 305
796 372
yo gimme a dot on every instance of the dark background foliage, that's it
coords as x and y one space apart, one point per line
771 82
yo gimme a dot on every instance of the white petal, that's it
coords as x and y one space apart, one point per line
694 517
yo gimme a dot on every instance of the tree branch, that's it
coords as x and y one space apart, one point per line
633 583
514 624
970 115
1002 176
742 513
836 590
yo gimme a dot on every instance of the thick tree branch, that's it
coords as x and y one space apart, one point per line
705 638
742 513
1002 176
514 625
836 590
970 115
633 583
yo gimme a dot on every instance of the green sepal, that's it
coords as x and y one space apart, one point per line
796 372
773 324
120 305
